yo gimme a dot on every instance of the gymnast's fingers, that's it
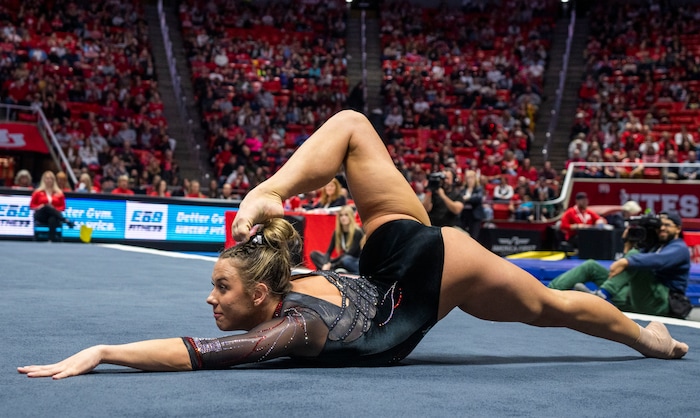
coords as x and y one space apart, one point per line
240 229
39 370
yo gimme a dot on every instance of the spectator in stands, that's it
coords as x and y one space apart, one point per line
227 192
581 126
332 196
579 170
160 190
195 190
23 180
491 171
62 182
619 219
527 170
128 156
89 154
503 192
443 199
579 144
509 164
85 184
521 206
543 192
169 168
579 217
123 186
679 137
690 170
394 119
239 177
472 214
114 169
548 172
344 244
213 189
645 281
48 203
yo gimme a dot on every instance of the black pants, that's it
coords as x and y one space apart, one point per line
471 224
50 216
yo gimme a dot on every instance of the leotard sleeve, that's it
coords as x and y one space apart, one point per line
299 332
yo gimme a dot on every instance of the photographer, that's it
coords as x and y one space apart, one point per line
442 199
651 278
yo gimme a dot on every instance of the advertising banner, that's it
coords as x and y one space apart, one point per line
683 197
146 221
122 220
105 217
15 216
196 223
508 241
21 137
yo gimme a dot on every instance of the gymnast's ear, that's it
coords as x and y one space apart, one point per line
260 293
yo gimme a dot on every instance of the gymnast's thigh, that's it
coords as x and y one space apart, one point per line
487 286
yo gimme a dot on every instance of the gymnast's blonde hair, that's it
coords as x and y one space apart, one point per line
267 257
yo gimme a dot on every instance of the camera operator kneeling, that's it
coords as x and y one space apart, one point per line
443 200
651 278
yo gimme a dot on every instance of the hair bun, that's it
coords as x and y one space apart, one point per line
281 235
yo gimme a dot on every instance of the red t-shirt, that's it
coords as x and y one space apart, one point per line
574 215
119 190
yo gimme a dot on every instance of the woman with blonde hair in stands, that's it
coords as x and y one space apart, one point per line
345 242
473 196
331 196
48 203
85 184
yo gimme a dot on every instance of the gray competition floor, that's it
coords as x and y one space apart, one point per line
56 299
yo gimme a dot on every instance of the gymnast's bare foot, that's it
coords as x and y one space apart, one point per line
655 341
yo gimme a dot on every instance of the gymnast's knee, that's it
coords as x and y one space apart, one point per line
554 312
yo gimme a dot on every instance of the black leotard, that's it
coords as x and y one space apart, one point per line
384 313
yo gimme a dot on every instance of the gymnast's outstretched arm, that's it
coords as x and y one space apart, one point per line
151 355
300 332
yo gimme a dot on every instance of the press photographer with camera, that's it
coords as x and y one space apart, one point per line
442 199
651 278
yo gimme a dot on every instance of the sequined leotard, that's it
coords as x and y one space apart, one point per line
384 313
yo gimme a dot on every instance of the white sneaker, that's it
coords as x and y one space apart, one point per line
582 288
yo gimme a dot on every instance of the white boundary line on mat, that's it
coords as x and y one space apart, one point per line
171 254
665 320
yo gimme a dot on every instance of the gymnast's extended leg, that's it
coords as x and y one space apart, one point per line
489 287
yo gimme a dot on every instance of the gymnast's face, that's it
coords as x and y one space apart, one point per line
234 307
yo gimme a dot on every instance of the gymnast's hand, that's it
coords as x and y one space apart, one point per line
77 364
258 206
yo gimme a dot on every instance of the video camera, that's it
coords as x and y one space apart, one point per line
642 231
436 180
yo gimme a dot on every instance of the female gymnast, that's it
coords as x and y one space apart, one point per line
412 275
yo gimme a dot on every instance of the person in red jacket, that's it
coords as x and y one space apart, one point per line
48 203
123 186
579 217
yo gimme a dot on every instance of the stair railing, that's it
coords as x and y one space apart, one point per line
560 89
180 98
